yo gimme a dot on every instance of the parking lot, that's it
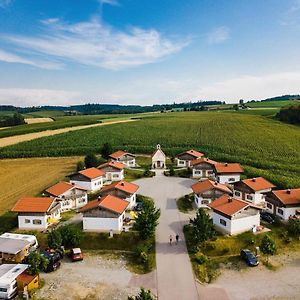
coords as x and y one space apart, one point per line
96 277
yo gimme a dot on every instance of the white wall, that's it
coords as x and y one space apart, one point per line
182 163
103 224
287 211
236 226
198 200
132 201
24 225
94 185
114 176
225 178
158 156
202 173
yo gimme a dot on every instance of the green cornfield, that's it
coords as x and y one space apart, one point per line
265 147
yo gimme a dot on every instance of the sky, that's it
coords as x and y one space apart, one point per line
63 52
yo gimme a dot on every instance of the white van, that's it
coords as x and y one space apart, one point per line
8 282
25 237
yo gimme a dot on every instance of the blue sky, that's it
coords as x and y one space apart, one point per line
146 52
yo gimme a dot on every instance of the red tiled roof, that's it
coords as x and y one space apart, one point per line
113 164
228 205
258 184
117 154
92 173
127 187
192 152
228 168
62 187
288 197
33 204
201 160
206 185
109 202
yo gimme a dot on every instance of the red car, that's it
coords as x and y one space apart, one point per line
76 254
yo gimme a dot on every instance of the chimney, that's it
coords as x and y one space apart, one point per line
253 179
229 199
288 191
216 183
99 198
207 159
73 183
122 183
226 164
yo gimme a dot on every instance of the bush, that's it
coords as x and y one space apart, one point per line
294 227
91 161
54 239
143 295
71 236
200 258
80 166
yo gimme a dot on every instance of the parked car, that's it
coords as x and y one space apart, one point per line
76 254
53 260
267 217
249 258
138 206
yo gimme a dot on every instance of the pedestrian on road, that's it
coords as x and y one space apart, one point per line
177 238
171 239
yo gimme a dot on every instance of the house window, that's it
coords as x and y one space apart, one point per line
280 211
181 162
222 222
27 221
237 193
249 197
231 179
197 172
205 201
37 222
269 205
115 175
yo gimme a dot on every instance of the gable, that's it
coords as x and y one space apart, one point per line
158 155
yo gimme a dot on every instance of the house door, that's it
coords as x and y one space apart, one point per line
158 164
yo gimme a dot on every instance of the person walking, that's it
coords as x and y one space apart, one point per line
171 239
177 238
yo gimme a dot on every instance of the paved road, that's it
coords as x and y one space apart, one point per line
175 278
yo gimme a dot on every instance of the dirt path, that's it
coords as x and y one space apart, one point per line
11 140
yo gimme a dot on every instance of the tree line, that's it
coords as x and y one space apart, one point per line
290 114
14 120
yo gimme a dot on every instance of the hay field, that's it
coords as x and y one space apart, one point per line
38 120
30 176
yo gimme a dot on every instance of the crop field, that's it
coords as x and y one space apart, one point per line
279 103
59 122
265 147
29 177
44 114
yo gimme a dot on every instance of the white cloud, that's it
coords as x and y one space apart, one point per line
109 2
291 16
250 87
218 35
37 97
13 58
5 3
96 44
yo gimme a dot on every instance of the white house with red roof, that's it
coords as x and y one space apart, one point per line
253 190
104 214
284 203
232 216
114 170
90 179
126 158
184 159
122 189
69 195
37 212
203 168
228 173
158 158
207 191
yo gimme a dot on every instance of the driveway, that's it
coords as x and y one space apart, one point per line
175 278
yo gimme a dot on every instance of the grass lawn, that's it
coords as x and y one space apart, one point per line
143 161
65 216
30 176
206 259
134 174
